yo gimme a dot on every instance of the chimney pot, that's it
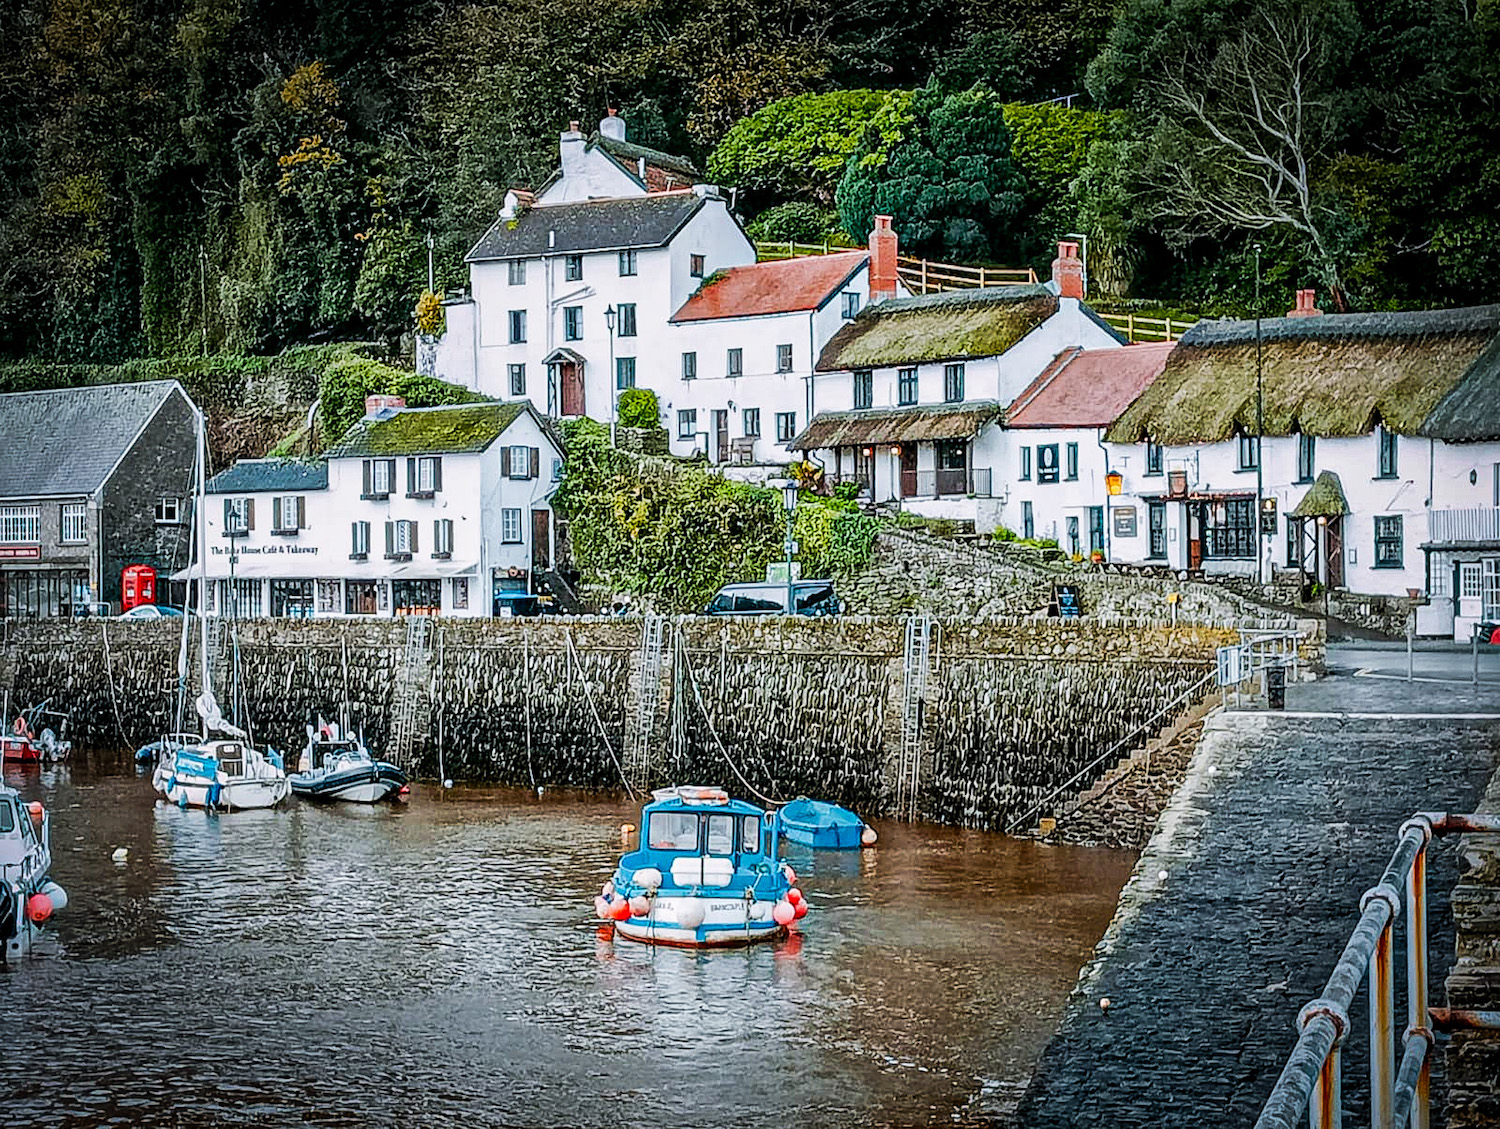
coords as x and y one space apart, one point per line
573 127
1067 271
884 248
377 403
1306 306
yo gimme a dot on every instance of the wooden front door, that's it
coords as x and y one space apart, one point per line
1195 518
908 470
541 539
721 436
570 375
1333 552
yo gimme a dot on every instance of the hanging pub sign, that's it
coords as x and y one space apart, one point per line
1268 515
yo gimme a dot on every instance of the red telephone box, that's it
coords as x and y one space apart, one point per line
137 586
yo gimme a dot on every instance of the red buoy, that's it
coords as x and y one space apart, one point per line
38 908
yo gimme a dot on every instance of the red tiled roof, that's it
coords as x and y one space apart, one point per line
782 286
1088 387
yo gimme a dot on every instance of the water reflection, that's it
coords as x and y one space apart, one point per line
438 962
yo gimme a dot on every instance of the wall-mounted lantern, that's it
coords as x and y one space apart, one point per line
1114 482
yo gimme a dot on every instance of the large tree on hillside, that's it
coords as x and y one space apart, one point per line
941 166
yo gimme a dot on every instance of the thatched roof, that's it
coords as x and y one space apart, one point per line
1324 498
1336 375
896 425
450 430
953 326
1471 411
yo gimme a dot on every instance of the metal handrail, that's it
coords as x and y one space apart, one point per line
1397 1097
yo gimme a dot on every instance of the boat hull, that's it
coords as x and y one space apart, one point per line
234 795
822 826
726 922
364 785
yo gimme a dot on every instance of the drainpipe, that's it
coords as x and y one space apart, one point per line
1109 549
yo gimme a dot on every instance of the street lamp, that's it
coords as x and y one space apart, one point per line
788 488
614 378
1084 239
1260 429
431 281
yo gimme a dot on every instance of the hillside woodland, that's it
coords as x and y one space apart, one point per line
238 176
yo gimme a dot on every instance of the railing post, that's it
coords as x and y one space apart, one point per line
1382 1032
924 276
1325 1111
1416 964
1130 327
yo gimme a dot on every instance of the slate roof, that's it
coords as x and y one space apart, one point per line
460 430
1335 375
588 225
896 425
66 441
1088 387
778 287
251 476
953 326
1471 409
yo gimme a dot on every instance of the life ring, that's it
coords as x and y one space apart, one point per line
21 727
709 795
514 571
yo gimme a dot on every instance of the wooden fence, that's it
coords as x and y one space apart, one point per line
1135 327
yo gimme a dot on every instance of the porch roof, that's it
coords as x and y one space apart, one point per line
1324 498
897 425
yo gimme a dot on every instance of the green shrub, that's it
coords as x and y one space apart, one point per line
797 222
638 408
345 384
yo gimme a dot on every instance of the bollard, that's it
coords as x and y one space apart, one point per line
1276 687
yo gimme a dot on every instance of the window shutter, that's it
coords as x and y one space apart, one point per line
228 513
276 514
536 463
390 538
249 513
369 475
437 474
411 531
411 476
354 537
301 512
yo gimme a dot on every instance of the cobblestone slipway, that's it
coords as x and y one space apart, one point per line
1282 822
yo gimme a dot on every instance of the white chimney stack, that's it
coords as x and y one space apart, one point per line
570 150
612 126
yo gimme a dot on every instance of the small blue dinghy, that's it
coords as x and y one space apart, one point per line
824 826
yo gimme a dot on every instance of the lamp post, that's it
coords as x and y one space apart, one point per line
788 488
1260 429
431 282
614 379
1083 239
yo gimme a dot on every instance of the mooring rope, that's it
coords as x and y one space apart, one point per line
589 697
687 669
109 675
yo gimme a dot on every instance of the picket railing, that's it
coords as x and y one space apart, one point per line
924 277
1138 328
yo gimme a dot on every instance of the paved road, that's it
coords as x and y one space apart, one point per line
1444 662
1284 821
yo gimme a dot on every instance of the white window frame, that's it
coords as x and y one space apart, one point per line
1469 582
404 537
20 525
786 426
442 537
515 324
629 323
517 374
510 526
515 272
784 358
168 510
359 540
382 469
428 474
289 506
73 520
687 422
734 363
518 462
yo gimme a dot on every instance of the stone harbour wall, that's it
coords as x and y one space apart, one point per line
1472 1058
769 705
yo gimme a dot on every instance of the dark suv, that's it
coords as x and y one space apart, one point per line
812 597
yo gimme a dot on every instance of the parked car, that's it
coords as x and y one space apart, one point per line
812 597
150 611
92 611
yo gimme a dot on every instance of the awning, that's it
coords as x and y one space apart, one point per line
278 568
1324 498
897 425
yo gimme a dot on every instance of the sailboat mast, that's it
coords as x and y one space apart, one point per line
201 506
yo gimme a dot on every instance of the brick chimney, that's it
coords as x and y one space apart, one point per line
1067 271
376 404
1306 305
883 250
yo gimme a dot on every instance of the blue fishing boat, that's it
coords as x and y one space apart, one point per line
706 875
824 826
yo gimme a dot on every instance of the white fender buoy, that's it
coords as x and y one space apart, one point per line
648 878
867 837
690 914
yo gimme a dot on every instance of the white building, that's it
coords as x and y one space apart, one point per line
1359 480
1053 451
417 510
912 394
620 272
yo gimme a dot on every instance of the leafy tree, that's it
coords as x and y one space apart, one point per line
797 222
795 148
941 166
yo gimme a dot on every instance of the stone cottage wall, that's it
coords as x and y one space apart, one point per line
1472 1058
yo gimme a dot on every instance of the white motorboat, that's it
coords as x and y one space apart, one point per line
28 897
226 775
338 767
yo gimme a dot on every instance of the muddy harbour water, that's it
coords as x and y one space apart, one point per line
438 963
